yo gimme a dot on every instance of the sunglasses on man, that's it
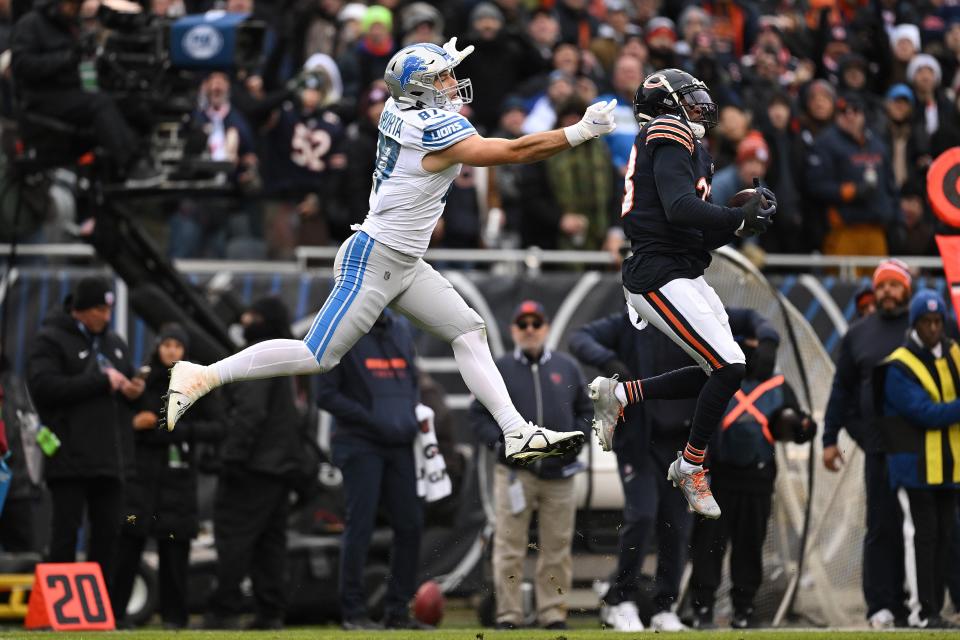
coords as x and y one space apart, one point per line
524 324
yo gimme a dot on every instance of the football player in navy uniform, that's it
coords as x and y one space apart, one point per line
673 226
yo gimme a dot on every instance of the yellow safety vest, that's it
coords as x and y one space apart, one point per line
946 391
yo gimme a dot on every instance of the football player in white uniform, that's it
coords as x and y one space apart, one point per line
423 142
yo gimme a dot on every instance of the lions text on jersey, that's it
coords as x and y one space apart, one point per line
406 200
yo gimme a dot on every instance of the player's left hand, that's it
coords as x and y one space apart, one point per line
597 121
451 47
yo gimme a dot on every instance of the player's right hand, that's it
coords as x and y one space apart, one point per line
758 213
597 121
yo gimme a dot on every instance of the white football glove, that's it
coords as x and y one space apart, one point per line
451 48
597 121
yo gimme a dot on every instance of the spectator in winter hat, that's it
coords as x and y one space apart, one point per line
935 115
899 134
661 36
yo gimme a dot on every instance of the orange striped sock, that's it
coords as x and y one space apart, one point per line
693 455
634 391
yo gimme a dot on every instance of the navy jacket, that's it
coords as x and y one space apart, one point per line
550 392
372 394
660 425
835 175
851 405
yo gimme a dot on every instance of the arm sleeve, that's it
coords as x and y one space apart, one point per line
331 399
249 405
908 399
747 322
821 179
29 61
676 186
593 344
50 386
484 426
842 394
583 406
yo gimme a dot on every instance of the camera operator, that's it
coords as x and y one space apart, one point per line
47 48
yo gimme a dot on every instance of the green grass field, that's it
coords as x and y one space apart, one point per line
328 633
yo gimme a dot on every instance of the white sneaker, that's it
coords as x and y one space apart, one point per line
881 620
621 617
607 409
667 621
532 443
695 488
188 383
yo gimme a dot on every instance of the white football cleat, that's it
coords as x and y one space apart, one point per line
532 443
607 409
188 383
667 621
621 617
695 488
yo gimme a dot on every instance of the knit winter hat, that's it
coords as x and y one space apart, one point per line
174 331
92 292
923 60
926 301
893 269
906 31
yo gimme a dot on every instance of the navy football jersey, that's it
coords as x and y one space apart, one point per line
666 247
304 152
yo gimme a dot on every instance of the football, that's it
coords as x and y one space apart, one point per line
740 197
428 603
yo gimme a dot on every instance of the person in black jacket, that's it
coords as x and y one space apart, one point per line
47 48
545 386
161 499
743 469
260 456
80 377
646 443
372 396
851 407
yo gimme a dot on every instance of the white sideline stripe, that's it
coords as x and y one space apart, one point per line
910 557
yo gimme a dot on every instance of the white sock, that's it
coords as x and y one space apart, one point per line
266 359
484 380
687 467
621 394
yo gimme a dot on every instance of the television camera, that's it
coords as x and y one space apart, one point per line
152 67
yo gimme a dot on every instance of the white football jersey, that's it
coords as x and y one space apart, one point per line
406 201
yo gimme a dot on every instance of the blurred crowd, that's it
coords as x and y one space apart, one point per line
839 106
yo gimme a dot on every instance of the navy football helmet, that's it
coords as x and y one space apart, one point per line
678 93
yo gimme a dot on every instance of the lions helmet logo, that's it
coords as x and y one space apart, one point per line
411 65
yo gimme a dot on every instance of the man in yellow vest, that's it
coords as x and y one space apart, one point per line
922 429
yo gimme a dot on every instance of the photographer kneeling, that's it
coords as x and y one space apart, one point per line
46 46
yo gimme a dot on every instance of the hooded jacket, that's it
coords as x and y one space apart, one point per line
372 393
45 55
264 435
73 397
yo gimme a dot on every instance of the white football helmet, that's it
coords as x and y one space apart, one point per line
412 72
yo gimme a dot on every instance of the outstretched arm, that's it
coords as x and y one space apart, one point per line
478 151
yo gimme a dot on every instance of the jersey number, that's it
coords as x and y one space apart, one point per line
703 189
309 146
388 150
628 183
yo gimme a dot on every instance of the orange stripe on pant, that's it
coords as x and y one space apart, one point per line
683 331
